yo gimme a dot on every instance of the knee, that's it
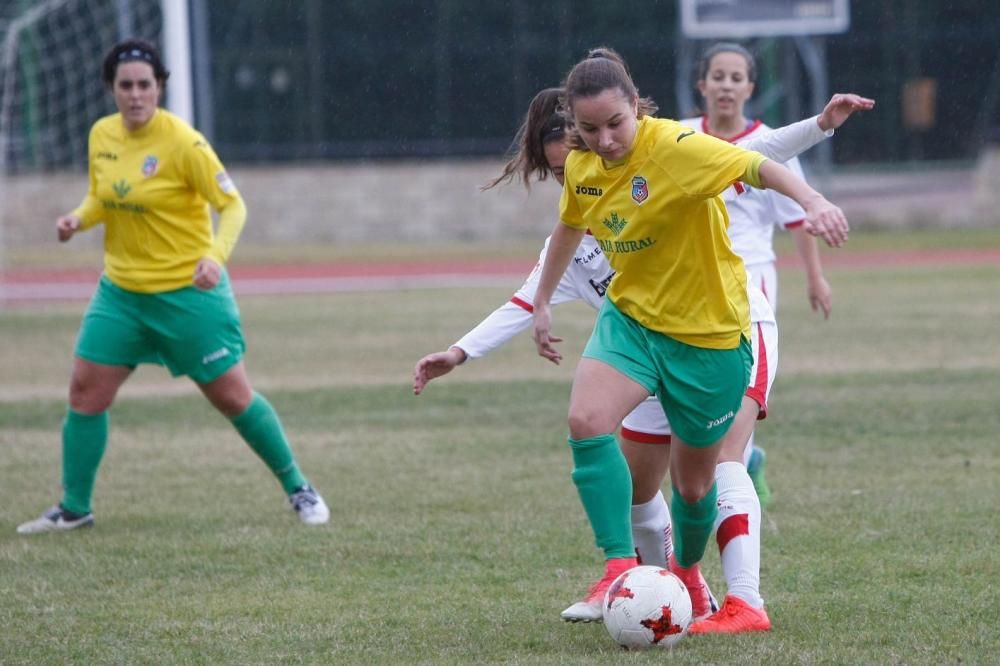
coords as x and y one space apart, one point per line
231 403
584 423
89 396
693 490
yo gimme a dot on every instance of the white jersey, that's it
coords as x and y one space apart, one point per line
754 213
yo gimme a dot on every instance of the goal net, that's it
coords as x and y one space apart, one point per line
50 95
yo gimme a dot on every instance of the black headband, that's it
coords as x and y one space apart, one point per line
552 132
136 53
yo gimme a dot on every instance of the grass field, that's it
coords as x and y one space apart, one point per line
457 536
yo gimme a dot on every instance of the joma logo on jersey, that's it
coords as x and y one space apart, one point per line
640 190
121 188
103 155
589 191
615 223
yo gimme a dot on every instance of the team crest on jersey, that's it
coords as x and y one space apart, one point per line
640 190
150 165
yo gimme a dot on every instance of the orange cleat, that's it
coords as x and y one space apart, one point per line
701 600
735 617
589 610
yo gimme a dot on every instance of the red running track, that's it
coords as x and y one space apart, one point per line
46 285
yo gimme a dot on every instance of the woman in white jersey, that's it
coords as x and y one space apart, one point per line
727 74
541 152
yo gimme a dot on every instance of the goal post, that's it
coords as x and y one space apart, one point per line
51 94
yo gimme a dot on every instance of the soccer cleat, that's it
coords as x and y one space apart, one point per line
56 519
701 597
735 617
755 468
309 506
589 610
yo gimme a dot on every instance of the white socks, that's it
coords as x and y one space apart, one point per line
738 532
651 531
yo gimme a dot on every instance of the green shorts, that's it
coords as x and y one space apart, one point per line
191 332
700 389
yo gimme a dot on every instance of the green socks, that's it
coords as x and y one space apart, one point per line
692 526
602 478
84 439
260 426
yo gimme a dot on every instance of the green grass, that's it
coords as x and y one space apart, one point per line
457 536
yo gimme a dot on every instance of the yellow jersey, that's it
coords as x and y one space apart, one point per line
152 188
660 221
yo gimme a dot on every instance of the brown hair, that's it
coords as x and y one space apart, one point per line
543 123
602 69
727 47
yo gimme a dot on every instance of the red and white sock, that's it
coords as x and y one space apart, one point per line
651 531
738 532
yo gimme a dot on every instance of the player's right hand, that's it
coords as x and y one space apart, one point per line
827 221
66 226
542 333
435 365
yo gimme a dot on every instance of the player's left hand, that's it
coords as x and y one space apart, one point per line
827 221
207 274
820 296
839 109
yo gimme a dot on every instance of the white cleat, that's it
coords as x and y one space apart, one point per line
309 506
583 611
56 519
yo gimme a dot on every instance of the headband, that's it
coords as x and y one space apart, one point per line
136 53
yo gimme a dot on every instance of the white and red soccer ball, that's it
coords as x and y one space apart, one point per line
647 607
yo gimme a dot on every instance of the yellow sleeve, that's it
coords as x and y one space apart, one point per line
90 209
231 220
704 166
208 177
569 208
752 174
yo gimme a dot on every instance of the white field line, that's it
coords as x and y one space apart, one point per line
49 291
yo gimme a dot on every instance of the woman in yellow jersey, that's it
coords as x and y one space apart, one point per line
164 296
675 322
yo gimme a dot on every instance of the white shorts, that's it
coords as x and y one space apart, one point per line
647 424
765 277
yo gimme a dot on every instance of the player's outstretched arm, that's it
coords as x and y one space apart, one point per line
840 107
786 142
435 365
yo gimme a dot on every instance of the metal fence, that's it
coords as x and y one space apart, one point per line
343 79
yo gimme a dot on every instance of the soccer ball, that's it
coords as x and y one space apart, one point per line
647 607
